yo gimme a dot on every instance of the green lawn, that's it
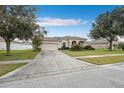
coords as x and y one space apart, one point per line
92 52
17 55
6 68
104 60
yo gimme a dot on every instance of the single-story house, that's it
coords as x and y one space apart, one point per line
53 43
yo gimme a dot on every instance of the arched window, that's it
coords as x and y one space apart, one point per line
73 43
81 43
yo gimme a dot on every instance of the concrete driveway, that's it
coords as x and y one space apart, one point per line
48 62
55 69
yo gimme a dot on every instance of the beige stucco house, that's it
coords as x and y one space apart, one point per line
53 43
100 43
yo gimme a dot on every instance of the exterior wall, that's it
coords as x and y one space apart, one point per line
100 45
46 42
77 42
59 44
69 42
53 44
49 46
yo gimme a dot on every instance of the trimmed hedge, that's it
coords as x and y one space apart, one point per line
80 48
64 48
88 48
76 48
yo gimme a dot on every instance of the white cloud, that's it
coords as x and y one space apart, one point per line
59 22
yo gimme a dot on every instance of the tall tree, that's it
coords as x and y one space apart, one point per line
109 25
16 22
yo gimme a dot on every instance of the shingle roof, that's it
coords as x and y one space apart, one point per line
51 39
65 37
74 37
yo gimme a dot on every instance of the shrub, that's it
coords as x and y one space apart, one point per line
76 48
88 48
37 49
121 46
59 48
67 48
64 48
36 42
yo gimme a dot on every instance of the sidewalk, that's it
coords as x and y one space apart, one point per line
15 61
93 56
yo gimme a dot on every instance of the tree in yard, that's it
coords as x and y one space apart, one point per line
16 22
109 25
37 38
36 42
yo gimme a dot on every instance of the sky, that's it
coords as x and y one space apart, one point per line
69 20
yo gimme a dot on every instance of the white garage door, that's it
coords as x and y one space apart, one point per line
49 46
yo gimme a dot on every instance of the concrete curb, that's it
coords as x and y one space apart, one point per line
50 74
13 72
113 64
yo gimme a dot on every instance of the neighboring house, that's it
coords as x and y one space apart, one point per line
15 45
53 43
100 43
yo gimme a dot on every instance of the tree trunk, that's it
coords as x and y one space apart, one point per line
8 48
110 45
